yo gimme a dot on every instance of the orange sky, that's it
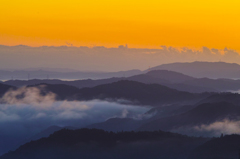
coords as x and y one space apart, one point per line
138 23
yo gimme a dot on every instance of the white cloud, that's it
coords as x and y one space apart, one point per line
226 127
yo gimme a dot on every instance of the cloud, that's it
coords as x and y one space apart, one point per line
29 95
100 58
27 111
217 128
124 113
32 118
8 117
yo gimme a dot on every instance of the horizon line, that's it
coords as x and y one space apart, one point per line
161 47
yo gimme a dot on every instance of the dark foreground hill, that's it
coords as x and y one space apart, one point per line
99 144
226 147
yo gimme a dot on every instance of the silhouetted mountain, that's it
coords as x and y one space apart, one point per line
62 91
169 110
129 124
46 132
76 83
139 93
226 147
99 144
4 88
63 74
171 76
215 84
203 114
223 97
190 88
168 78
180 80
163 76
117 124
133 92
204 69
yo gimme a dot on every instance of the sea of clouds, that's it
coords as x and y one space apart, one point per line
27 109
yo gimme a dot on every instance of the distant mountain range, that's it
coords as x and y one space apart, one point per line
170 79
201 69
124 90
148 94
196 69
139 93
180 102
62 74
202 114
118 124
175 111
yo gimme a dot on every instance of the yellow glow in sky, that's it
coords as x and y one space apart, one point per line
138 23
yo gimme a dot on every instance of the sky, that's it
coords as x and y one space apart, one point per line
138 23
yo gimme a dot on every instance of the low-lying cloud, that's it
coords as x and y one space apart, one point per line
220 127
217 128
26 111
29 95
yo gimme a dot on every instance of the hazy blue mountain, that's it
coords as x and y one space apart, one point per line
171 79
62 74
203 69
117 124
131 92
4 88
168 110
139 93
171 76
130 124
222 97
76 83
62 91
215 84
163 77
203 114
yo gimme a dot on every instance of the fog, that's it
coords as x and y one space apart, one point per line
220 127
18 122
35 117
25 112
215 129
